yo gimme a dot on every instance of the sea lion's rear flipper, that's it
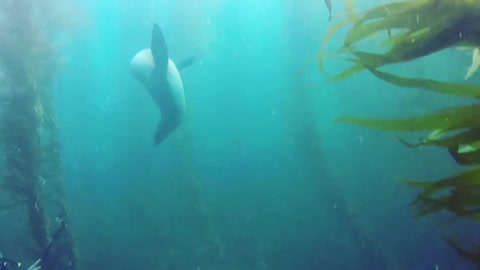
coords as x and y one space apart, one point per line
164 128
160 53
186 63
161 133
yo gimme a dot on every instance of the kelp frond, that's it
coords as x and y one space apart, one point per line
455 89
420 27
417 28
448 120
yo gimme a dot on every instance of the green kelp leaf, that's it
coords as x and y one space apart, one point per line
372 60
472 157
473 256
463 202
448 119
357 19
354 70
392 10
426 206
350 9
330 33
415 27
410 47
469 137
469 147
463 198
440 34
471 214
375 60
429 206
407 21
364 31
432 138
470 178
413 145
455 89
427 33
397 37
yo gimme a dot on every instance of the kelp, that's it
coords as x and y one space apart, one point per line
451 119
459 140
473 256
25 116
415 29
455 89
421 27
458 194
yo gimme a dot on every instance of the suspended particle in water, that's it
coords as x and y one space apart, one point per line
274 112
42 180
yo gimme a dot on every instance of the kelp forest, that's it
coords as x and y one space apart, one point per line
258 224
32 191
406 31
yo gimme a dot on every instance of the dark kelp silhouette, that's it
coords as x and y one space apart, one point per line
32 177
415 29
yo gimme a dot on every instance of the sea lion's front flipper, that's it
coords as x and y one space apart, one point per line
186 63
160 53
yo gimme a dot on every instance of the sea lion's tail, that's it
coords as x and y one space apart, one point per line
164 128
162 132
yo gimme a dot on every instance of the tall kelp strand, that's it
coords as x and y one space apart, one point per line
29 133
407 31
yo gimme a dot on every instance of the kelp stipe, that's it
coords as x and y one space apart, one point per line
33 175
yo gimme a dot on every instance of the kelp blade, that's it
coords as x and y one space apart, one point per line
461 180
456 140
456 89
450 119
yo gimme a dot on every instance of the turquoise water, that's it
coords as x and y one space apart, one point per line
259 176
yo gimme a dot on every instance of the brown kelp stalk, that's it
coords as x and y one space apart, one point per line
207 234
309 145
20 140
27 120
64 252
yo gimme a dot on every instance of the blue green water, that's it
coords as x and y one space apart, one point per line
259 176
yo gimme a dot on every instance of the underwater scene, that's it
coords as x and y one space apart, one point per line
235 135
